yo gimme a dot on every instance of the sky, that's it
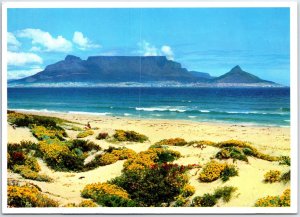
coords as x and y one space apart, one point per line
211 40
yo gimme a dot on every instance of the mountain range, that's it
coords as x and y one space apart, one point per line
134 70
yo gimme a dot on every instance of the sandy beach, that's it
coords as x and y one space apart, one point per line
274 141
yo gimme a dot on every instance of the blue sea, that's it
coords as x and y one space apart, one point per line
253 106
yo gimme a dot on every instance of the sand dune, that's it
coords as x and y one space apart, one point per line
270 140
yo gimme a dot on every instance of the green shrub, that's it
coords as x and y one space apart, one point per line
85 133
286 177
231 152
224 192
229 171
131 136
27 173
84 145
285 160
207 200
102 136
32 164
172 142
254 152
153 186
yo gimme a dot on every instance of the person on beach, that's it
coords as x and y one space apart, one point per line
88 126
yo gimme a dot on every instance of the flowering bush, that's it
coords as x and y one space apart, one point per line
85 133
102 136
275 201
131 136
148 158
107 194
229 171
28 196
43 133
272 176
212 171
172 142
107 159
188 190
124 153
58 156
87 203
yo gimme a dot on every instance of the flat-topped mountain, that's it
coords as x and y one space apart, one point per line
136 69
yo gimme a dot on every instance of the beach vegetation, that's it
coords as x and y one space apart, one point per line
83 145
285 160
188 190
235 153
209 200
107 194
28 173
148 158
224 193
286 177
130 136
75 128
84 134
154 186
102 135
212 171
107 158
272 176
275 201
229 171
28 196
172 142
201 144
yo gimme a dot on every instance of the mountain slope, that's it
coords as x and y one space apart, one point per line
125 69
237 75
113 69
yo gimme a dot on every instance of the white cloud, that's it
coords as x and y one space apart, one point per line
147 49
46 40
21 58
12 42
83 42
18 74
167 51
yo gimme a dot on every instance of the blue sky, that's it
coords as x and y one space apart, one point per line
209 40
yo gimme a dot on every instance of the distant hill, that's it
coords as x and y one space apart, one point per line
135 69
237 75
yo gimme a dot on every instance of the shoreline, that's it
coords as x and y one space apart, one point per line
274 140
132 117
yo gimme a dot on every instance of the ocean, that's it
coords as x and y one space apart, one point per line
252 106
